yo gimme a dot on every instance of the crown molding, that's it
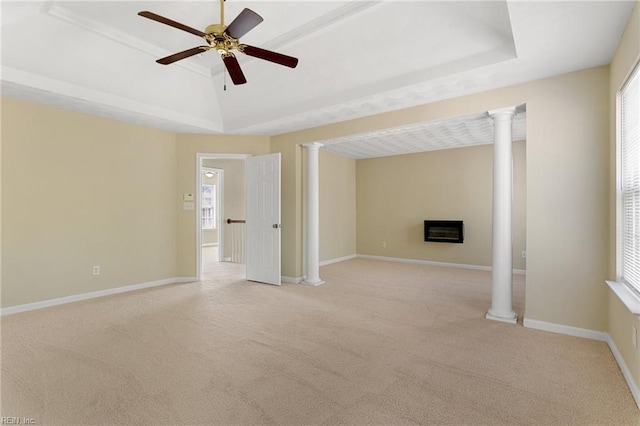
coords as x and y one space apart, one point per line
91 101
26 10
315 25
60 12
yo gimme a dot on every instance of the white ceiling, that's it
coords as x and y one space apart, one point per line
456 132
357 58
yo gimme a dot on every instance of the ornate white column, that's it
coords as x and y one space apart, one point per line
501 295
312 251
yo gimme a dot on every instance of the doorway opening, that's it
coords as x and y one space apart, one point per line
212 182
220 206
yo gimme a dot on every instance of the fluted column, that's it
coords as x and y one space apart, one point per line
502 291
312 251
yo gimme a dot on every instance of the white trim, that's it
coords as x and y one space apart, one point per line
60 12
619 211
626 296
565 329
432 263
92 295
312 27
210 245
312 284
290 280
118 103
200 156
338 259
492 317
594 335
633 387
220 213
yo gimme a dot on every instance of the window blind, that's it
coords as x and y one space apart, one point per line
630 179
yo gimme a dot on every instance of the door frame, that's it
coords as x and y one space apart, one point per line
199 159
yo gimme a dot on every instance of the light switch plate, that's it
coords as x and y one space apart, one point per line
189 206
188 197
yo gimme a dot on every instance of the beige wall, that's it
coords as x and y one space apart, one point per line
337 202
567 192
234 194
291 194
80 191
136 234
620 319
187 148
337 206
0 203
396 194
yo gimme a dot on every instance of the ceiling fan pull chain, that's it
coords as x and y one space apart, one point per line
224 39
225 80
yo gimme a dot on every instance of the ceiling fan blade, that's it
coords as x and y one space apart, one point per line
171 23
235 72
182 55
245 22
267 55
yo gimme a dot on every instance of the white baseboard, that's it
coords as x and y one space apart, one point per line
595 335
566 329
635 391
92 295
180 280
226 259
432 263
290 280
337 259
314 284
210 245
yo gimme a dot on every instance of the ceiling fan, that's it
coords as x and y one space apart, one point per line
224 39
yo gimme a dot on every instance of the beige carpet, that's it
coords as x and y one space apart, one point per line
379 343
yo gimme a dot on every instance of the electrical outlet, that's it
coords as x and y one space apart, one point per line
634 337
524 254
384 244
96 269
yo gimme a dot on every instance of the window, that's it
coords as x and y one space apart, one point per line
629 178
208 206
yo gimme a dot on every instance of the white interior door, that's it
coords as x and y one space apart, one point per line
263 219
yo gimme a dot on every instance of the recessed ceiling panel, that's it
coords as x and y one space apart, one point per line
357 58
83 59
122 17
385 47
457 132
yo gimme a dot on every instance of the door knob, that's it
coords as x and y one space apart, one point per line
276 225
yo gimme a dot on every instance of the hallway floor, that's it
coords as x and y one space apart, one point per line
214 270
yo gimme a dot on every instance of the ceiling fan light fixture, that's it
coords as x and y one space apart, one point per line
224 39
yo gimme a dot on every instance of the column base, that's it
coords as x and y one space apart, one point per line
510 318
312 283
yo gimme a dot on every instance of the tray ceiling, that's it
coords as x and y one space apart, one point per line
455 132
357 58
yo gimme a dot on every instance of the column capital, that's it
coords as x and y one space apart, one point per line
502 113
313 145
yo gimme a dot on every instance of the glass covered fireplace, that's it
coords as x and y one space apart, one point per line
444 231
